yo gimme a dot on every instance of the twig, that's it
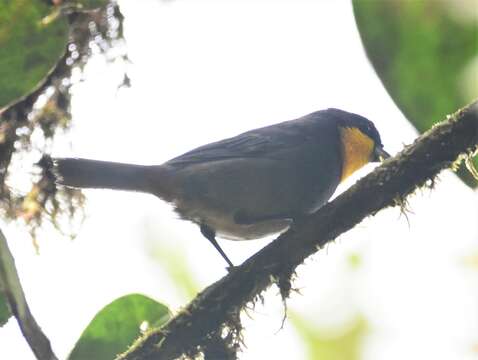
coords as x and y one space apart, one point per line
10 286
397 178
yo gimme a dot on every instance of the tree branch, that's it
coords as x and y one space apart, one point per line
11 287
218 306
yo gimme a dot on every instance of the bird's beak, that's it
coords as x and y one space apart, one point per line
379 154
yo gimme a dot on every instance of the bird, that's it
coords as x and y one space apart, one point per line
251 185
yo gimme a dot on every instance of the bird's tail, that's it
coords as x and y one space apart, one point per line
84 173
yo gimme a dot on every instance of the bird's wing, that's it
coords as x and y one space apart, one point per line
267 142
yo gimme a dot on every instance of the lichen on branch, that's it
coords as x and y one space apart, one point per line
31 122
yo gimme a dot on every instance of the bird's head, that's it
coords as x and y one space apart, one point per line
360 141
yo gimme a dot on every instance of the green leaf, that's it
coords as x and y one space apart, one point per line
423 52
331 344
31 42
4 310
117 325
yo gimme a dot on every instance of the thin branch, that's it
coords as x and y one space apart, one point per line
388 185
11 287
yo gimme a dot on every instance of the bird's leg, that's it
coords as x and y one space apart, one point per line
210 234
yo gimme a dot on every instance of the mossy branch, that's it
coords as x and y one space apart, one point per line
216 309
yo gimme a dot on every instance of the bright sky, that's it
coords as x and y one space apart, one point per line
206 70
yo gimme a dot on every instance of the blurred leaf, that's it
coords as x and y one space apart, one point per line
172 261
330 344
117 325
4 310
170 256
471 260
92 4
29 45
422 52
354 260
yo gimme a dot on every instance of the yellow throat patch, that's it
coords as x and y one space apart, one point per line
356 150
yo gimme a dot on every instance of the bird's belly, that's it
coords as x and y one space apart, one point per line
233 231
226 227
